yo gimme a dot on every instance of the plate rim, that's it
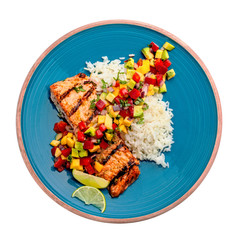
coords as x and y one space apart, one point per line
19 132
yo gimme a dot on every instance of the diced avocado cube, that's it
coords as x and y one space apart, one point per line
158 53
170 74
131 83
103 96
163 88
147 53
138 111
78 146
130 73
129 63
75 153
83 153
168 46
165 55
110 97
156 89
90 131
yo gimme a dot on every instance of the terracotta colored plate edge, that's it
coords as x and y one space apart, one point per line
113 220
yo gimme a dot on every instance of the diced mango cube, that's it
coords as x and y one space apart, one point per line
116 91
57 152
123 129
112 112
94 149
58 136
98 166
150 90
116 121
123 86
110 97
120 121
64 140
108 122
75 164
63 157
127 122
101 119
145 68
70 135
70 142
109 136
55 143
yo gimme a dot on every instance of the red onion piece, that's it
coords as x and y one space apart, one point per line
69 129
145 89
114 83
148 74
61 147
142 94
161 83
135 65
104 112
110 89
116 108
137 85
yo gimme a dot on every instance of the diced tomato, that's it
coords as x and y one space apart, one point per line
59 162
114 126
131 111
88 145
123 92
149 80
66 152
136 77
134 94
160 66
117 99
81 136
85 161
124 113
67 165
117 84
53 150
99 134
100 105
153 70
140 62
60 169
65 133
62 126
103 144
167 63
159 79
90 169
82 125
154 46
102 128
55 128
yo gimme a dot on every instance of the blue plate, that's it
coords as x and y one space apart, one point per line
192 96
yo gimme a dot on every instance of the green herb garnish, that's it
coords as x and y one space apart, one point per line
116 79
79 89
104 84
122 81
145 106
140 121
93 104
140 85
69 158
124 103
138 101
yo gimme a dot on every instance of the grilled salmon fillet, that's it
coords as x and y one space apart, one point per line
119 185
73 97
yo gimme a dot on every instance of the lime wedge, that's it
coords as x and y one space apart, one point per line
89 180
91 195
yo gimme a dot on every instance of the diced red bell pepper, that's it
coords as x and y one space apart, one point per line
117 99
123 92
55 128
65 133
153 70
62 126
100 105
102 128
66 152
140 62
103 144
59 162
167 63
136 77
154 46
159 79
53 150
124 113
90 169
81 136
67 165
117 84
114 126
160 66
82 125
134 94
85 161
99 134
88 145
149 80
60 169
131 111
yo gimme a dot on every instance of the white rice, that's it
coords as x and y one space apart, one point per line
106 70
146 141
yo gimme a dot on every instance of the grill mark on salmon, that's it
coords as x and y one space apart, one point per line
67 92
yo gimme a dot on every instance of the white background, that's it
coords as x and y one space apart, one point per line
210 28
